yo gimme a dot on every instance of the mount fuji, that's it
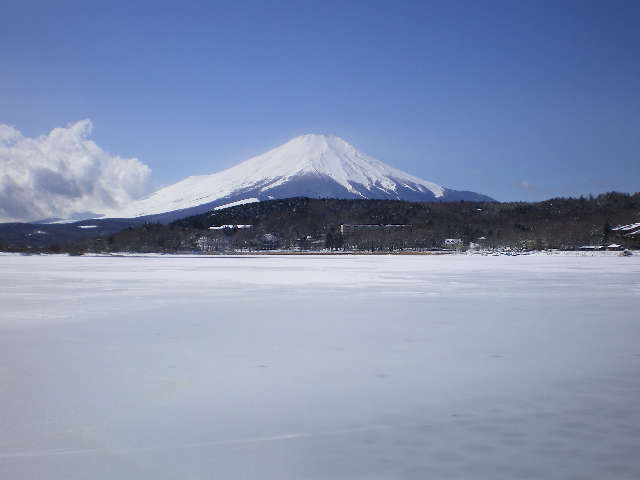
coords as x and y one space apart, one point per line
306 166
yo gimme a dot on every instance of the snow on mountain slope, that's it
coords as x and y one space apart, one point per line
235 204
309 165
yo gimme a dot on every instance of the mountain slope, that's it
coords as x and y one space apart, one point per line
309 165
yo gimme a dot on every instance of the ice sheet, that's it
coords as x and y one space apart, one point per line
319 367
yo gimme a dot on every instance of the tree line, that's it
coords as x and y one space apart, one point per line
315 224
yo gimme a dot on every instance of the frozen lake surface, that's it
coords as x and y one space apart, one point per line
352 367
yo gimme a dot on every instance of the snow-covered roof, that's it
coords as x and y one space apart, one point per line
222 227
625 228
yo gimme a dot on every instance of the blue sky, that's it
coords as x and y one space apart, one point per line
517 100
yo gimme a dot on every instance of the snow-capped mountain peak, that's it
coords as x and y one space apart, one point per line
311 165
331 156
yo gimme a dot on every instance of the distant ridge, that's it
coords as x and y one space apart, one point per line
307 166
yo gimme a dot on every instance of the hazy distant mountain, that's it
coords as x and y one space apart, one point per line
307 166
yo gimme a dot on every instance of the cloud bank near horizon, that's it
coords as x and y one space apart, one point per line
63 174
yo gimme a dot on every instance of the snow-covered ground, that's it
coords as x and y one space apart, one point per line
349 367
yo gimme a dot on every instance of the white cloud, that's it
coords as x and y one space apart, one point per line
63 174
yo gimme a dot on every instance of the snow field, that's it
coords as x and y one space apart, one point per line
320 367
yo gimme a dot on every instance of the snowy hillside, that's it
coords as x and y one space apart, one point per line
309 165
